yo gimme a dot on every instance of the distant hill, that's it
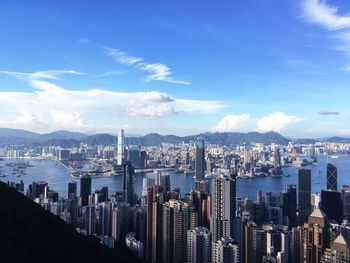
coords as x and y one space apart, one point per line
226 138
31 234
67 135
339 139
100 139
73 139
17 133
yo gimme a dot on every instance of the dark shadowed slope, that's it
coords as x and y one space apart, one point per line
28 233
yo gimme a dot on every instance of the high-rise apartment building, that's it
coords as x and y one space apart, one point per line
225 250
198 245
314 237
178 218
90 219
223 206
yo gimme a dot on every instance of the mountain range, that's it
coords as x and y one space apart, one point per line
71 139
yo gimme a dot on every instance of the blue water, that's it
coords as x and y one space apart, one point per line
58 177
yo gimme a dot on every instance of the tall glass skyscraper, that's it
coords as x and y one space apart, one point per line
120 149
199 159
331 177
128 183
85 190
304 195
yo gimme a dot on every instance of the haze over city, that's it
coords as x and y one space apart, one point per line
176 68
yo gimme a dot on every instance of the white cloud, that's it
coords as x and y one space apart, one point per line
110 73
121 57
277 122
71 121
158 71
321 13
232 123
50 106
46 74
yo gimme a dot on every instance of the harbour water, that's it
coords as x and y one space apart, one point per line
58 177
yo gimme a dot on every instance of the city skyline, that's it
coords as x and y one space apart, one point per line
146 69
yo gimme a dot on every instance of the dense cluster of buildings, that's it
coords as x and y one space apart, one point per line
210 224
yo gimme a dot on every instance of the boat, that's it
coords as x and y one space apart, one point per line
334 157
287 175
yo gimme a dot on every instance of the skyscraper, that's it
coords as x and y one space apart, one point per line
289 209
121 214
198 245
85 190
120 150
90 219
152 192
338 251
331 205
199 159
346 204
128 183
178 218
315 237
304 195
223 207
225 251
134 156
104 219
72 188
331 177
163 180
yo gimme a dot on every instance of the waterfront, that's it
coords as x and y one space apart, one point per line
58 177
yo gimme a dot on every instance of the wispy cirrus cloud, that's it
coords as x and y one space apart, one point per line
321 13
45 74
122 57
115 72
326 112
50 107
157 71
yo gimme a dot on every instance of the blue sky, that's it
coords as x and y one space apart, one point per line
176 67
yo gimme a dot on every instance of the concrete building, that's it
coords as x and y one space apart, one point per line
198 245
225 251
223 207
